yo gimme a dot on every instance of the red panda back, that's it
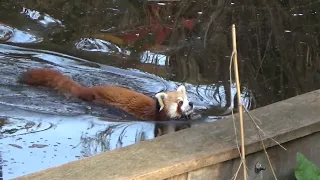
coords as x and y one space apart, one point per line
140 105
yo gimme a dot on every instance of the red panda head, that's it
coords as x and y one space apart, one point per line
175 103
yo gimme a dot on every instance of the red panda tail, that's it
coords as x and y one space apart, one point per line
50 78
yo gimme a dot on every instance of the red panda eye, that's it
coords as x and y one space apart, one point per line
180 103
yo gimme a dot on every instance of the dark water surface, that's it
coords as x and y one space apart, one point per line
147 47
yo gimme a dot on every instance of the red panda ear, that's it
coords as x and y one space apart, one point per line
182 89
159 97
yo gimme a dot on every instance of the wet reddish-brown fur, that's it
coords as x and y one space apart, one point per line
134 103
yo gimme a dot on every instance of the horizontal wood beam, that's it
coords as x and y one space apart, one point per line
195 147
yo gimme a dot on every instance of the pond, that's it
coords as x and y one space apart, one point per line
147 47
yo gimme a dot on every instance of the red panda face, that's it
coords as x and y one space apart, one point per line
175 103
184 105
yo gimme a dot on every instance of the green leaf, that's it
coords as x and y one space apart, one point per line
306 170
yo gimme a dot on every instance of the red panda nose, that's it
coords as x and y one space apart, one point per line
191 104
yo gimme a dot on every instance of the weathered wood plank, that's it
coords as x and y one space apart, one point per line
196 147
183 176
284 162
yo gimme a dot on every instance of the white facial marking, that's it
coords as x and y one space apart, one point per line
185 108
172 110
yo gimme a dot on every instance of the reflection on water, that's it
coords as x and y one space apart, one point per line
98 45
147 47
32 141
43 19
10 34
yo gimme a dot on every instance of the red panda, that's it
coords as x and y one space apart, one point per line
164 106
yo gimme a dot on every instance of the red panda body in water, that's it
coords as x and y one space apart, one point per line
165 105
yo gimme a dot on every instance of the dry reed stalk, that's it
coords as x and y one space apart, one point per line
241 107
235 66
264 147
233 119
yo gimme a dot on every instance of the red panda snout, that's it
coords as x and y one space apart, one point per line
186 107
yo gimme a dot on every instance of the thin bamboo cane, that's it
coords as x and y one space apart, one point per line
235 66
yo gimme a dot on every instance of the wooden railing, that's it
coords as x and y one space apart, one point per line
209 150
